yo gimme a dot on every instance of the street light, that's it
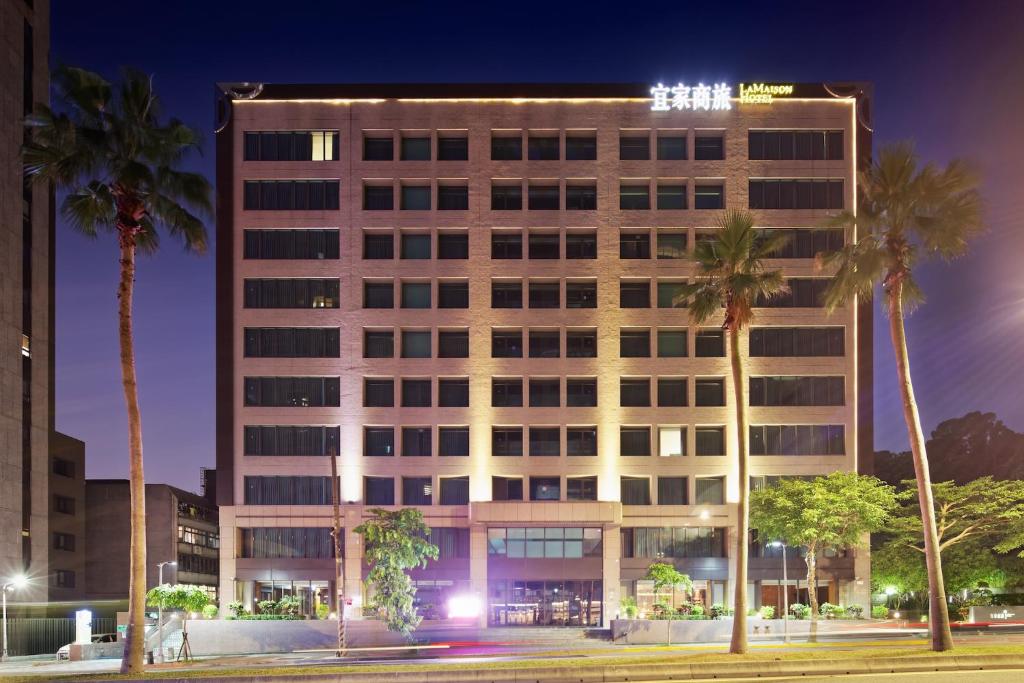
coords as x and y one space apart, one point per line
785 592
18 581
160 608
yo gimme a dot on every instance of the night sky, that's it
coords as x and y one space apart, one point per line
949 75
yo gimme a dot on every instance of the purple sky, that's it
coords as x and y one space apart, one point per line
946 74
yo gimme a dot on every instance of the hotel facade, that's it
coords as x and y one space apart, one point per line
468 294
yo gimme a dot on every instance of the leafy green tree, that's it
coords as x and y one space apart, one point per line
825 513
907 211
665 575
731 279
395 541
120 166
188 598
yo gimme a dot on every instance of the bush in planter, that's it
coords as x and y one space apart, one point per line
697 611
210 612
628 606
800 610
267 606
879 612
767 612
719 610
830 611
854 611
266 617
289 605
322 611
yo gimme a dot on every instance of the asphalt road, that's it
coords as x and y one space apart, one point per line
1004 676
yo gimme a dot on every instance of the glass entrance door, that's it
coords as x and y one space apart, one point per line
544 603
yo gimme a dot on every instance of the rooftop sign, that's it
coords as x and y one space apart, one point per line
763 93
716 97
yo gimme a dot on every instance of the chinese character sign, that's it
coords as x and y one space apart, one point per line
696 98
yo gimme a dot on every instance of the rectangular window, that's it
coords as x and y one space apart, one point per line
284 440
506 245
542 148
672 295
378 198
63 541
543 198
452 344
581 441
581 488
63 504
634 441
506 344
415 343
580 147
797 440
672 147
287 490
634 197
581 294
415 295
709 196
709 491
416 393
634 245
803 145
545 295
709 392
452 197
379 490
506 294
581 344
672 344
780 342
806 242
580 245
634 294
416 442
544 393
671 442
277 244
796 194
797 391
63 578
542 488
545 344
634 147
634 343
671 392
803 293
378 245
580 197
506 148
292 392
453 245
710 344
291 342
635 490
415 149
64 468
291 292
415 197
634 393
545 441
506 393
580 392
453 294
506 441
378 393
506 488
506 197
378 295
415 246
453 441
671 197
455 491
299 145
452 148
672 491
453 393
710 440
287 543
709 148
544 245
378 148
378 344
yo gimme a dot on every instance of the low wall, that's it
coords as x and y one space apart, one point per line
228 637
647 631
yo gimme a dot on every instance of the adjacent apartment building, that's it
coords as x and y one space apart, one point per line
468 295
26 306
67 521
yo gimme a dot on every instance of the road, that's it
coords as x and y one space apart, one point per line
1006 676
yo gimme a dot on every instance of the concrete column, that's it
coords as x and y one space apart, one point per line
611 541
353 564
858 591
228 534
478 568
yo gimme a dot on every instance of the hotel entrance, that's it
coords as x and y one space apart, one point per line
544 603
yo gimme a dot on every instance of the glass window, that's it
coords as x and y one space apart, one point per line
506 197
544 295
710 491
634 197
378 393
580 245
504 148
710 344
544 245
581 441
634 294
507 441
672 295
581 294
455 491
378 198
545 344
502 488
672 491
506 344
545 441
709 392
634 392
709 148
416 393
416 149
415 343
415 197
450 148
634 147
378 344
541 488
671 197
378 148
671 392
453 295
634 441
671 441
415 295
291 244
710 440
452 198
453 441
506 393
544 393
453 245
634 343
581 344
672 147
453 393
543 198
634 245
416 442
580 197
378 441
635 490
707 196
580 392
580 147
453 344
415 246
378 245
542 148
672 343
506 245
578 488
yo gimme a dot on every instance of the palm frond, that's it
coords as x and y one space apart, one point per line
859 267
90 209
179 222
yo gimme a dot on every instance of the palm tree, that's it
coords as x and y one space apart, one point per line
731 278
905 211
120 168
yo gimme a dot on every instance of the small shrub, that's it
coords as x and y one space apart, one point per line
267 606
697 611
719 610
266 617
210 612
289 605
854 611
800 610
767 612
629 608
879 612
322 611
752 612
237 609
830 611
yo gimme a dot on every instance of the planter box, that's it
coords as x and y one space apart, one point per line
650 631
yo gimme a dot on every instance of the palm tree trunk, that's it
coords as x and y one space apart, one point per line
135 641
738 644
339 597
938 618
812 591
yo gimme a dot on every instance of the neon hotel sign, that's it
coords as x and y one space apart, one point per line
715 97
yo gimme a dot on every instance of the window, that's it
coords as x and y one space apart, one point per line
378 442
796 194
288 392
453 393
378 148
545 344
378 344
544 393
452 197
634 440
709 196
803 145
634 343
544 245
634 393
378 393
415 393
506 393
806 242
544 542
581 344
299 145
634 294
506 148
291 342
803 293
379 490
671 344
416 442
545 295
453 441
287 440
671 197
797 391
64 468
287 490
291 293
63 505
544 488
416 149
542 148
451 148
63 578
635 490
506 197
415 197
545 441
634 245
579 147
710 491
709 392
453 294
581 294
378 295
672 147
415 245
634 197
415 295
378 245
506 294
455 491
415 343
581 441
506 441
581 488
452 344
710 344
287 542
673 542
672 295
797 440
63 541
291 195
198 537
672 491
580 392
506 344
797 341
634 147
506 245
453 245
543 198
291 244
378 198
671 442
710 440
671 392
580 245
708 148
506 488
580 197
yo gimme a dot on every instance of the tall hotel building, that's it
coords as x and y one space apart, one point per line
468 294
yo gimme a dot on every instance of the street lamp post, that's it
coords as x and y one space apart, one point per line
16 582
160 608
785 593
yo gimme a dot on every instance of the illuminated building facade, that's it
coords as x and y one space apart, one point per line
468 294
